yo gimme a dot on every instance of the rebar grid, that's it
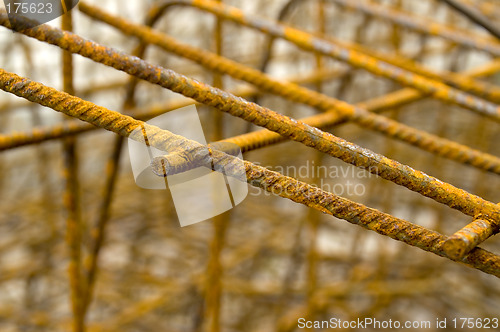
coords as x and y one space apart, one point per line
355 58
265 264
287 127
302 95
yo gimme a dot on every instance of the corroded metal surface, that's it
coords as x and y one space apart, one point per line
274 182
260 116
298 94
86 249
309 42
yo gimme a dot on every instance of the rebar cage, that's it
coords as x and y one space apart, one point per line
395 104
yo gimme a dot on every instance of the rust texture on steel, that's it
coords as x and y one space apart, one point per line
469 237
474 15
424 140
391 102
489 45
310 42
271 181
295 130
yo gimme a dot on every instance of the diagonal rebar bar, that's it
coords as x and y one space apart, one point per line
310 42
489 45
440 146
348 152
475 16
258 176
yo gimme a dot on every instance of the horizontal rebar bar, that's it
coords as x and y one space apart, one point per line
43 134
434 144
295 130
432 28
84 92
356 59
258 176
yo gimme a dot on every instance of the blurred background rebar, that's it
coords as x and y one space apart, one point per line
83 248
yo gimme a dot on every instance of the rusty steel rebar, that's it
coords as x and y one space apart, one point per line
71 195
269 260
258 176
479 88
382 166
356 59
456 80
469 237
443 147
69 128
215 268
475 16
432 28
247 142
84 92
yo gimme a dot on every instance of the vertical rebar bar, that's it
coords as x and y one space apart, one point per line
71 197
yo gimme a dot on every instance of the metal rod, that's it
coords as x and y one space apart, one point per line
350 153
463 241
71 196
71 128
422 25
475 16
361 116
258 176
309 42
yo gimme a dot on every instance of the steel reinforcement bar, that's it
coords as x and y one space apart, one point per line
426 141
475 16
258 176
356 59
489 45
469 237
70 128
456 80
290 128
38 135
247 142
42 134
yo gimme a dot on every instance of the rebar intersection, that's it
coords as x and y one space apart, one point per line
485 215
